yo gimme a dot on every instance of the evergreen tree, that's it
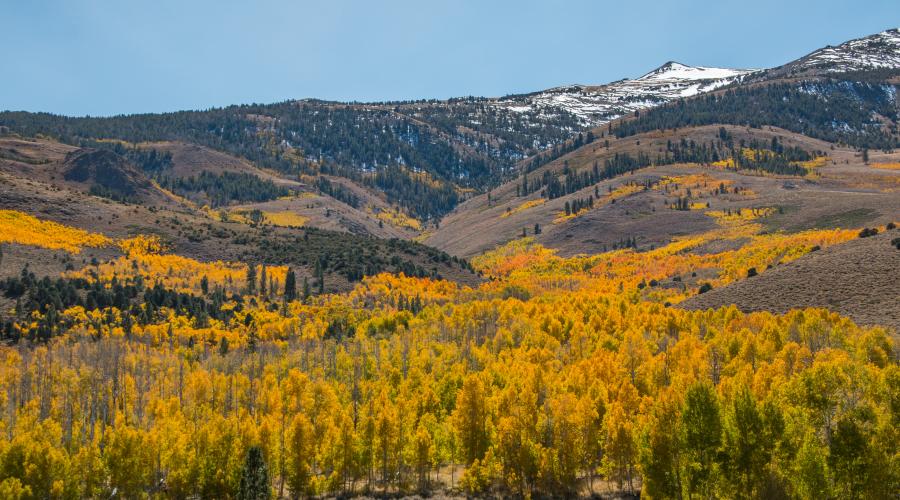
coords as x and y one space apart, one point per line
290 285
251 279
262 281
319 273
254 476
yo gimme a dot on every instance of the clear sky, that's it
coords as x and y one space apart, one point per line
106 57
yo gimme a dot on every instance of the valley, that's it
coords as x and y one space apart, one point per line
682 285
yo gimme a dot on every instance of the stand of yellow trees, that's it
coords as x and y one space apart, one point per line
558 377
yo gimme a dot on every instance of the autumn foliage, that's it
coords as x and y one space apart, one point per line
557 376
24 229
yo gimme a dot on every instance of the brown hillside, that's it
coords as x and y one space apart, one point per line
844 192
68 167
319 210
858 279
86 170
191 159
107 172
194 234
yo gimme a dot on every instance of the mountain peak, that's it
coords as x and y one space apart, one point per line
673 70
670 66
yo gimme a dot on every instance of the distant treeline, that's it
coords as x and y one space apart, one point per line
221 189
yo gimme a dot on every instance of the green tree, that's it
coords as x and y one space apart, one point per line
748 441
660 455
254 476
299 453
290 285
256 217
810 476
251 278
860 469
701 436
263 279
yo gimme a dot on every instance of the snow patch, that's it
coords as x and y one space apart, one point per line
878 51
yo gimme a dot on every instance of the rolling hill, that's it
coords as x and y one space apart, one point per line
580 168
425 157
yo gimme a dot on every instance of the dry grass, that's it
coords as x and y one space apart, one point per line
857 279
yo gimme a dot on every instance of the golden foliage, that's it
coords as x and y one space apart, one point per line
174 271
886 166
141 245
524 206
285 219
24 229
397 218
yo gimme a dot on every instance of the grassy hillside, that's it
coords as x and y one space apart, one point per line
341 258
856 279
647 205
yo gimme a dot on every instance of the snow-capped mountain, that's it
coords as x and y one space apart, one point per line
878 51
596 105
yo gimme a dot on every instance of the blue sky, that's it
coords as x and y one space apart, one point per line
109 57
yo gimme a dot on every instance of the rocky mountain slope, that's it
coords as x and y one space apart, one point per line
878 51
598 104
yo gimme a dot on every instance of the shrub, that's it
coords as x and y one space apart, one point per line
890 226
751 272
705 288
866 232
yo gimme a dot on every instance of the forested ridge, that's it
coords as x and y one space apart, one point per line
861 113
461 143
